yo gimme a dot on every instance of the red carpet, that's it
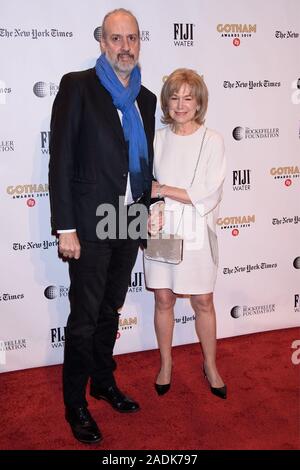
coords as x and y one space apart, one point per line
261 412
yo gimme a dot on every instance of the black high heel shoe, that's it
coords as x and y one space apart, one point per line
162 389
220 392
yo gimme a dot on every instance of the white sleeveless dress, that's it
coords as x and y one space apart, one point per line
175 158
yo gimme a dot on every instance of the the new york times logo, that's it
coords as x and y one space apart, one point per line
45 138
34 33
136 282
9 297
184 319
58 337
249 268
286 35
297 303
246 311
183 34
44 245
286 220
251 84
241 180
7 146
4 91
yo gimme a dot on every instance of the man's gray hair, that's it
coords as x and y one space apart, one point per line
118 10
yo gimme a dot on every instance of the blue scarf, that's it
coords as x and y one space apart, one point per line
124 100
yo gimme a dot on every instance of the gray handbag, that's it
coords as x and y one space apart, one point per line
166 247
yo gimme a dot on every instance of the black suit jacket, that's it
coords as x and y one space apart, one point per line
88 153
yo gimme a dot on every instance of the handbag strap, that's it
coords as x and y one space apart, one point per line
195 171
198 159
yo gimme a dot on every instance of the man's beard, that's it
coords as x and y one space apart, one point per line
122 68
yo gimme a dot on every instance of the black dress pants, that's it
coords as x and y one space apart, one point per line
99 283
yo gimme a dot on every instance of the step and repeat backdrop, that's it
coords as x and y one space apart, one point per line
248 53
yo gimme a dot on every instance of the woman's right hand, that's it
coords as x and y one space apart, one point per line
156 218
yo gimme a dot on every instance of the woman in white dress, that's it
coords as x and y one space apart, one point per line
189 167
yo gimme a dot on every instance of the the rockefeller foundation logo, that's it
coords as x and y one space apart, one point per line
296 262
53 292
7 146
250 311
249 133
43 89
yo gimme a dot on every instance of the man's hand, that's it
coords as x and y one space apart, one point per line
68 245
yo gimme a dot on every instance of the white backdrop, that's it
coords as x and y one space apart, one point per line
249 55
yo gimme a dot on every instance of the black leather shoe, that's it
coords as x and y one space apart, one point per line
162 389
220 392
115 398
83 426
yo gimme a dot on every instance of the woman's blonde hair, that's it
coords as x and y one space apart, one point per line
198 90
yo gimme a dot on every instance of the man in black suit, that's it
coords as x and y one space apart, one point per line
100 151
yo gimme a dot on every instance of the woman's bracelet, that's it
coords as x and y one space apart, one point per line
158 193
